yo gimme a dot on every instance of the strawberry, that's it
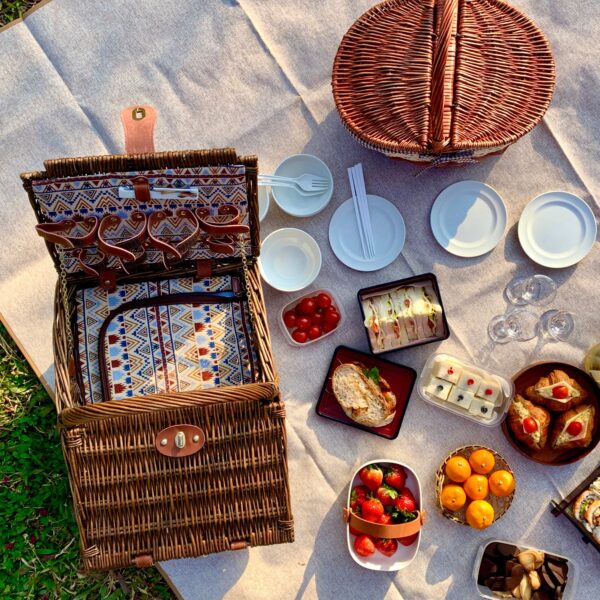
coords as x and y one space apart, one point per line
387 495
371 510
385 519
371 476
395 477
359 494
405 501
407 541
386 547
364 545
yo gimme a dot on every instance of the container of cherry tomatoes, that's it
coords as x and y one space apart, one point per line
384 515
311 317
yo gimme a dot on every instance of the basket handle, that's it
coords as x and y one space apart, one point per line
394 531
442 74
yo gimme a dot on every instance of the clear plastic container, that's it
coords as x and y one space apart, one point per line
465 389
287 332
485 592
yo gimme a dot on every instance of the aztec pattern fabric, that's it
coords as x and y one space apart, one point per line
163 336
79 198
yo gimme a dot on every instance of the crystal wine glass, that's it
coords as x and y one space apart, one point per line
519 325
536 290
557 324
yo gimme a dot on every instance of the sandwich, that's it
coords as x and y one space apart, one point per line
557 392
574 428
401 316
365 396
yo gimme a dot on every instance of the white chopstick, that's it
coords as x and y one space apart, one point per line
361 233
359 182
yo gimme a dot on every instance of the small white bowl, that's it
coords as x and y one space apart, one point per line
263 202
290 259
294 203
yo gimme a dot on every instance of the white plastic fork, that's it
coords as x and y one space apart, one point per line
306 182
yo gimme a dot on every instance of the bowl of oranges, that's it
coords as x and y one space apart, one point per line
474 486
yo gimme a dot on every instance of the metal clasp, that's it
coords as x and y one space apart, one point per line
180 439
138 113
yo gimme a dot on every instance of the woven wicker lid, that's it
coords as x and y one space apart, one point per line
429 77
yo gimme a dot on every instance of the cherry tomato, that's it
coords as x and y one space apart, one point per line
560 392
331 317
314 332
290 319
300 336
317 319
327 328
307 306
330 308
323 300
574 428
303 323
529 425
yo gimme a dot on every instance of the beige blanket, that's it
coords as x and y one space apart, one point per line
255 74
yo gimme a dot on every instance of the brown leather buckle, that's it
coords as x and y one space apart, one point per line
220 227
180 440
59 233
135 228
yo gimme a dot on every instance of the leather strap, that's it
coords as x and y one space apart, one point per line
57 233
230 226
119 249
396 530
138 126
141 189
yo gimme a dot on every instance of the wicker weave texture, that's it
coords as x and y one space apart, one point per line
421 78
133 505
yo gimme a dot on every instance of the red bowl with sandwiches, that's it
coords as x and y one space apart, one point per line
403 313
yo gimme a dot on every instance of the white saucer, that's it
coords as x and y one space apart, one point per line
468 218
557 229
289 260
389 234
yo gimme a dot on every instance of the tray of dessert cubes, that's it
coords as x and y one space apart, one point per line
465 389
403 313
507 570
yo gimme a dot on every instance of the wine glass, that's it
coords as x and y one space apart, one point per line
557 324
536 290
519 325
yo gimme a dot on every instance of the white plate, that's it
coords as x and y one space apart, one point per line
389 234
557 229
294 203
289 260
405 554
468 218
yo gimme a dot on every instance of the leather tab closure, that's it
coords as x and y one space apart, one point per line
138 126
143 561
141 189
396 530
108 280
203 269
180 440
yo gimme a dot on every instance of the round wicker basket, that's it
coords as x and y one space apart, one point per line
500 504
444 81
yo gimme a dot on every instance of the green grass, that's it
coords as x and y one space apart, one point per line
38 539
13 9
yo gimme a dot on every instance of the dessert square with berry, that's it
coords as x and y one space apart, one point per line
481 408
460 397
439 388
469 380
490 390
448 370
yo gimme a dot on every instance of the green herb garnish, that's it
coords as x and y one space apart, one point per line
373 375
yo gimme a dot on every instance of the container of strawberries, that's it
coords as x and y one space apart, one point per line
384 516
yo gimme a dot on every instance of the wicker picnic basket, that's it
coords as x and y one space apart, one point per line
442 81
184 472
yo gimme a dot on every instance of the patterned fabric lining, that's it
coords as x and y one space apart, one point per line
98 195
163 348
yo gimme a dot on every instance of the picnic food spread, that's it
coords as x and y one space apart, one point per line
167 305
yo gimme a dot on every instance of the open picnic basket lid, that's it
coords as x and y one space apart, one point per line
113 216
442 80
